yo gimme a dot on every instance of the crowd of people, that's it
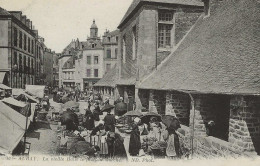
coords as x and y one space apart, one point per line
99 129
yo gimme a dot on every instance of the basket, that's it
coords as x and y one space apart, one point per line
158 153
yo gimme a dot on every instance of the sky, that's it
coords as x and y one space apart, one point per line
60 21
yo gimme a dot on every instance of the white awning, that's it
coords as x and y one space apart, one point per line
2 76
14 102
12 127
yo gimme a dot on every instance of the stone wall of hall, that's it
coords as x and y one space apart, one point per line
157 101
243 131
244 124
178 104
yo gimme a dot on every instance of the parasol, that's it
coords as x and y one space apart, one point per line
171 122
146 118
71 104
133 113
107 107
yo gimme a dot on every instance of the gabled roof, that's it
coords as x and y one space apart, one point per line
109 79
219 55
137 3
113 33
70 63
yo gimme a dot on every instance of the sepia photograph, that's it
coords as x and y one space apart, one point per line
139 82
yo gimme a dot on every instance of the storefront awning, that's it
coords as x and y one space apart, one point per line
2 86
12 127
14 102
2 76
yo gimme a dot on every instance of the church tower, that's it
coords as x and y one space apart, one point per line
93 30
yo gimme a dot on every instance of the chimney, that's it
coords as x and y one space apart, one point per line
23 20
210 6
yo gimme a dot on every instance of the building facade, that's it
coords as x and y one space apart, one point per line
110 43
17 49
56 70
209 86
48 66
149 32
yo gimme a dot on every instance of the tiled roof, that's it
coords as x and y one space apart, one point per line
70 63
113 33
109 78
135 4
88 44
219 55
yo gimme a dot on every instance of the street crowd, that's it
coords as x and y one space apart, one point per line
102 129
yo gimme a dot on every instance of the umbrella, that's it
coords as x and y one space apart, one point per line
146 118
133 113
171 122
107 107
71 104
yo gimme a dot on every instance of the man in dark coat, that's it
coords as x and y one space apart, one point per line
110 121
89 120
135 142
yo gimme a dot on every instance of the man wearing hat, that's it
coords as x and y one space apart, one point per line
135 142
110 120
96 111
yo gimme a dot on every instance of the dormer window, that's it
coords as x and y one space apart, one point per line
93 45
108 39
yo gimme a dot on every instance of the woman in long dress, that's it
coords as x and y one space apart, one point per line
135 142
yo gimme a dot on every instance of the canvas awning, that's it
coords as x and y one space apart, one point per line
14 102
12 127
2 86
2 76
37 90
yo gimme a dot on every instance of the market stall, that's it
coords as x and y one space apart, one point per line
12 127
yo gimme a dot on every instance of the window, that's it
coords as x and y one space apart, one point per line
116 52
15 37
93 45
20 39
108 67
165 16
88 60
134 43
88 72
95 59
124 51
32 46
29 44
116 39
108 53
108 39
25 42
95 72
164 37
15 58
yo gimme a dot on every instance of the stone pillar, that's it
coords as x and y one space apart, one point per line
138 102
152 105
202 114
244 124
178 104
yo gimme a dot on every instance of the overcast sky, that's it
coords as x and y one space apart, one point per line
60 21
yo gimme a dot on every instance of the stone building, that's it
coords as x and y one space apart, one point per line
110 44
213 76
56 70
92 59
149 32
39 75
48 66
17 49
